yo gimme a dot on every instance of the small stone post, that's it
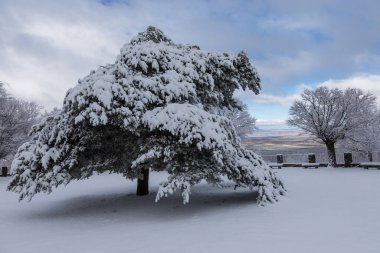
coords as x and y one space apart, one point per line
311 158
347 159
4 171
370 157
280 158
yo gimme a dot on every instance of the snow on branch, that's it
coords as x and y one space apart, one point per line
151 109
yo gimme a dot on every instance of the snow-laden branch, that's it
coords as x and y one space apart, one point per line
151 109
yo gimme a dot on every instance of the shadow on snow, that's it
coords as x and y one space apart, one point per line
204 199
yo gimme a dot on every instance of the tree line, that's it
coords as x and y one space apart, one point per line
17 116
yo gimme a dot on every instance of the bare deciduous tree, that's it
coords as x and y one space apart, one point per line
365 139
331 114
16 118
243 122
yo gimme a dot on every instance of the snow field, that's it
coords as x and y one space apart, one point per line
325 210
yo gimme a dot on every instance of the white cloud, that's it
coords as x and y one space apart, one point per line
367 82
264 98
44 50
45 45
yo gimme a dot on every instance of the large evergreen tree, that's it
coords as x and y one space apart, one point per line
150 110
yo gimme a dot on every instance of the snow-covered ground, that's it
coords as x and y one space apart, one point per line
325 210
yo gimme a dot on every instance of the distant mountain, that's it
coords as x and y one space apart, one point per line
279 139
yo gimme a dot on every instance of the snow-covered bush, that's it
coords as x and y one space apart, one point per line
151 109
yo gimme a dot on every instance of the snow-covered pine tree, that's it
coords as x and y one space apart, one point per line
150 110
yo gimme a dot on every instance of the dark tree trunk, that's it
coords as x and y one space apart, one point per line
331 153
143 184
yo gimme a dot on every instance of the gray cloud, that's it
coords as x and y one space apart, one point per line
45 46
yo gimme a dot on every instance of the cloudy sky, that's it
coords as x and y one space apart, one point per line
46 45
